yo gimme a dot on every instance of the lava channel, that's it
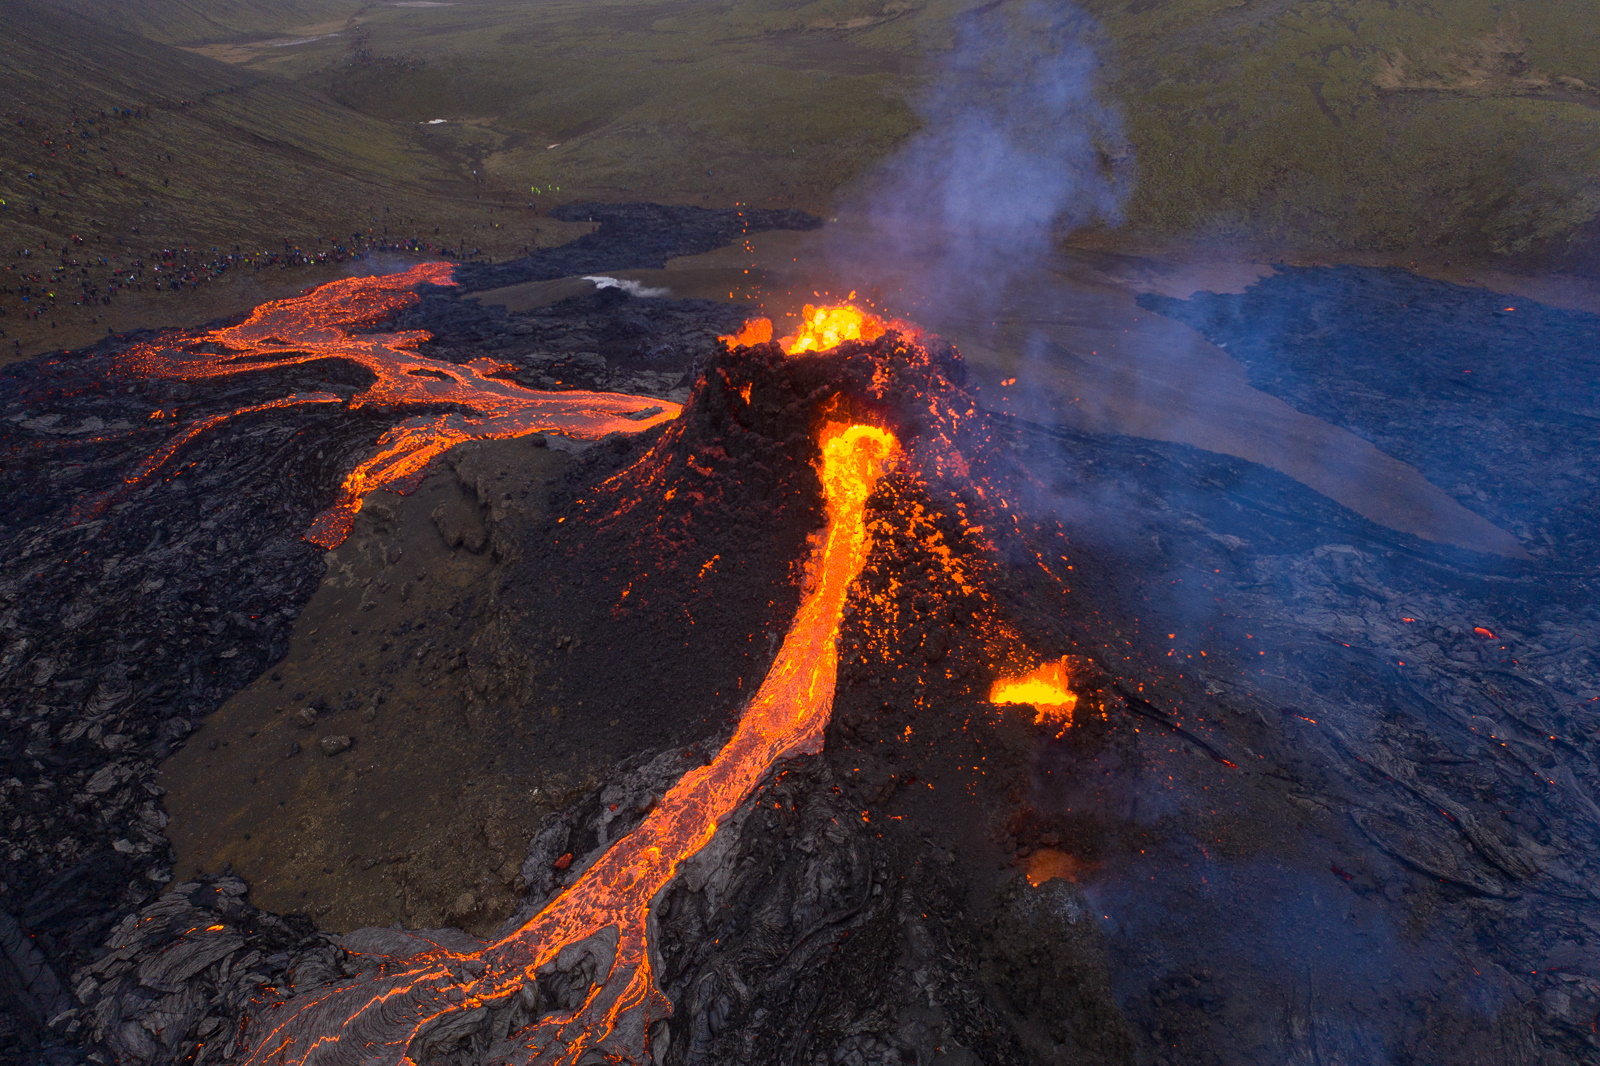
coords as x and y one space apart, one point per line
320 325
376 1019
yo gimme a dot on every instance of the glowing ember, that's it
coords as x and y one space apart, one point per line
374 1019
1044 689
1046 864
821 328
320 325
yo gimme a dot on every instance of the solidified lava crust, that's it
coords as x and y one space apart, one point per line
122 633
758 412
1287 718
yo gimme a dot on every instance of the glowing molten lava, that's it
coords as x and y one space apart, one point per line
1047 864
755 331
321 325
821 328
375 1019
1044 689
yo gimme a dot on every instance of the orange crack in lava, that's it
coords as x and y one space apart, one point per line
821 328
1043 688
606 912
1047 864
320 325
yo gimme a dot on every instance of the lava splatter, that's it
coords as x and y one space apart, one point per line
822 328
1044 688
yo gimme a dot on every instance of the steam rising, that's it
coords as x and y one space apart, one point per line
1016 149
627 285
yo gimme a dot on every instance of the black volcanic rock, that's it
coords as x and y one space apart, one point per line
607 340
632 236
1328 790
118 636
1494 398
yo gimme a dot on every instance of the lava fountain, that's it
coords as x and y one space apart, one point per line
377 1019
1044 688
322 324
822 327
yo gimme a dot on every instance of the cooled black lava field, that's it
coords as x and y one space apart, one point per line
1327 794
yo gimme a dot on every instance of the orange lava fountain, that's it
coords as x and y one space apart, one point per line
821 328
377 1019
320 325
755 331
1044 688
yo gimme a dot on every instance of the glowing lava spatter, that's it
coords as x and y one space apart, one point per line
321 324
755 331
822 328
1043 688
377 1019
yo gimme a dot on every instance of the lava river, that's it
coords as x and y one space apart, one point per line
381 1016
322 324
375 1019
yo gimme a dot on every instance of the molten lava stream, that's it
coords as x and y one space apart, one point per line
376 1019
321 324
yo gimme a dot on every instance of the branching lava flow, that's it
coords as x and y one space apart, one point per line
375 1020
320 325
600 922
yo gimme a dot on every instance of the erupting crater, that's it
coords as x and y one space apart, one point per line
866 395
925 747
821 328
1044 688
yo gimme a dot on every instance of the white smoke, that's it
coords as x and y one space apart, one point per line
1016 150
627 285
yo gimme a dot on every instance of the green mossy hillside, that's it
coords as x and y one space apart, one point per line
1361 125
107 134
142 184
1304 126
196 21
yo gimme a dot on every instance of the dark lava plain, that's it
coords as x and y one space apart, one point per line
124 633
1328 797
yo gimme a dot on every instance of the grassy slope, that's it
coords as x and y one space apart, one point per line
251 155
253 160
194 21
643 97
1256 121
1269 121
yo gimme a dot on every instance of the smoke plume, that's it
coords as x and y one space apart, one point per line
1016 149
